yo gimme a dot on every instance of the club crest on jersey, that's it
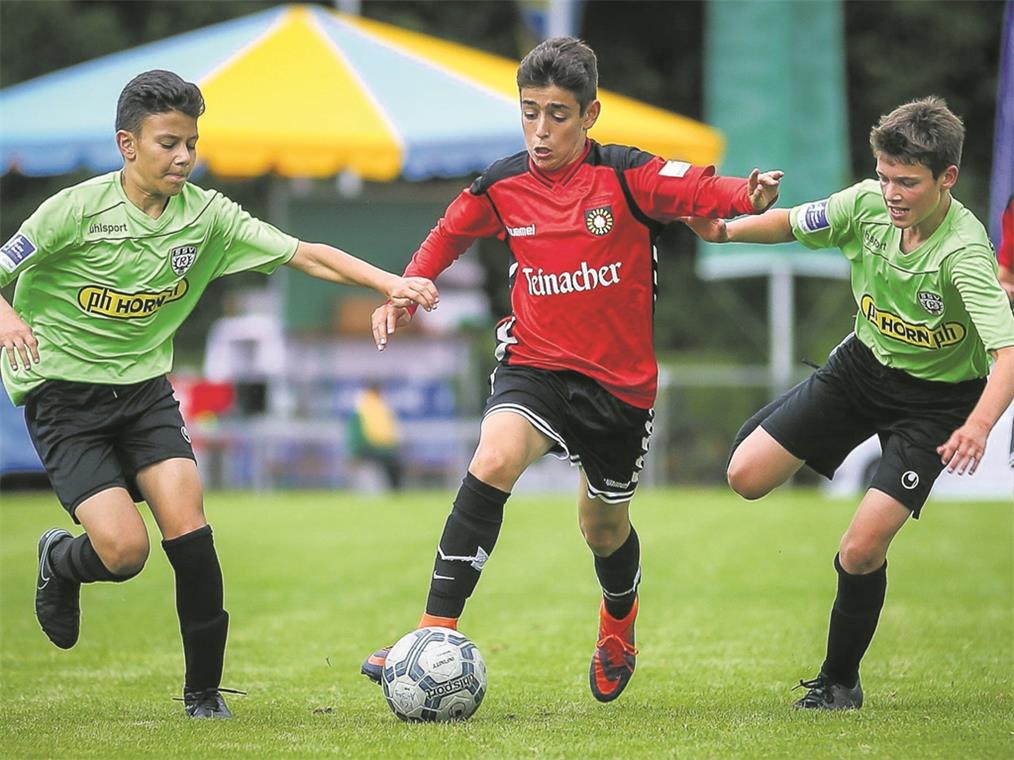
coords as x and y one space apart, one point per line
182 257
599 221
931 302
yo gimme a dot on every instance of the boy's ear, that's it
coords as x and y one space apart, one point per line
126 143
949 177
591 115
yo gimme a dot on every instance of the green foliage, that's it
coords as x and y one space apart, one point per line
734 611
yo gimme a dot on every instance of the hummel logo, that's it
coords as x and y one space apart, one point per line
476 561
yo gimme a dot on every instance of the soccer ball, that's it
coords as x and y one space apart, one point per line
434 675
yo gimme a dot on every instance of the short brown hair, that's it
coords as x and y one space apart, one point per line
156 91
565 62
924 131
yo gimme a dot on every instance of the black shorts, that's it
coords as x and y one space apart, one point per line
92 437
596 431
854 396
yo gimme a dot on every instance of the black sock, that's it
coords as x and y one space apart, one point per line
468 539
75 559
619 575
204 624
854 619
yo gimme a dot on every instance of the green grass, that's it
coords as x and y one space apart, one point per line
734 607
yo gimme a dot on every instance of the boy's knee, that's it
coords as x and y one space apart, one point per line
125 556
494 465
860 555
603 539
742 479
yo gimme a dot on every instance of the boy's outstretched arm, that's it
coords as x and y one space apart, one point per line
963 451
770 227
328 263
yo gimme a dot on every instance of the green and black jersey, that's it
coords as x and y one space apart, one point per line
933 312
104 287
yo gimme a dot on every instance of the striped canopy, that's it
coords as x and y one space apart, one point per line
303 91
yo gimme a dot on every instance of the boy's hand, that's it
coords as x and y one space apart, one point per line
405 291
17 338
386 319
708 230
963 451
763 188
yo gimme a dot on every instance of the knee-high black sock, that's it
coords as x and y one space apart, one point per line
204 624
619 575
75 559
468 539
854 619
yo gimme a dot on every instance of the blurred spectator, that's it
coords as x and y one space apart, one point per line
373 436
1005 254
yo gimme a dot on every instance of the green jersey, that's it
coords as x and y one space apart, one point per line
933 312
104 287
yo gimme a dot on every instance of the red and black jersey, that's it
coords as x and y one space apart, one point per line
1005 253
583 269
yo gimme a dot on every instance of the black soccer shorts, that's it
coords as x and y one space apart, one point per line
91 437
854 396
596 431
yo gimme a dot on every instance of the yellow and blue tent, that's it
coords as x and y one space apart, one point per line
303 91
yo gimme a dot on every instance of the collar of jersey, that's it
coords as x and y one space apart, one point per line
564 173
941 231
138 216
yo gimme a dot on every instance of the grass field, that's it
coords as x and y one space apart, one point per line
734 606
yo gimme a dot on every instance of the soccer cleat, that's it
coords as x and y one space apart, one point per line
207 703
612 664
373 666
57 601
824 694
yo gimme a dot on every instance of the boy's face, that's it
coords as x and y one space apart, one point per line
911 193
555 129
162 154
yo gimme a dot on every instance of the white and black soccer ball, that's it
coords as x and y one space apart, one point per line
434 675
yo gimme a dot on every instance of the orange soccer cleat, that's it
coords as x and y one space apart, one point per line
612 664
373 666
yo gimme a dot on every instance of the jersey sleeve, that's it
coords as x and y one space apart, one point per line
54 228
469 217
826 223
973 272
249 244
666 190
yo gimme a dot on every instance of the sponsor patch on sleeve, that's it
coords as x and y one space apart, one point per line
813 217
14 251
674 169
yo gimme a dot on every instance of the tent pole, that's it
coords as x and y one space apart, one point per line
780 327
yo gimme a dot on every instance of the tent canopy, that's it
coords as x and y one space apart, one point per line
307 92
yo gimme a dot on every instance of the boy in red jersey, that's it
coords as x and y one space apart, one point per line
1005 253
577 374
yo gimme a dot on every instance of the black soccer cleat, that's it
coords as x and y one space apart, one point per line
207 703
57 601
373 666
825 694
